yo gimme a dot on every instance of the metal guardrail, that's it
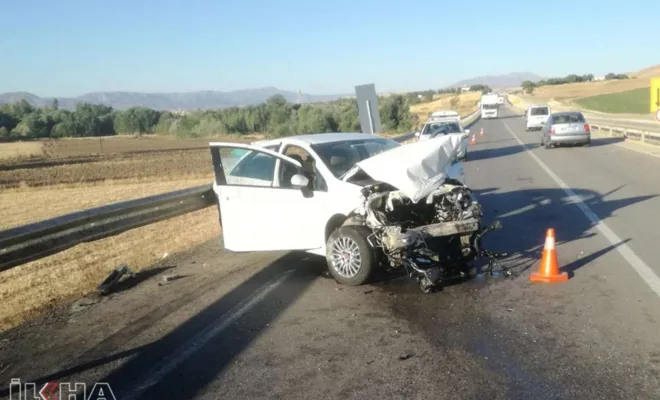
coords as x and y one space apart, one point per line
629 133
41 239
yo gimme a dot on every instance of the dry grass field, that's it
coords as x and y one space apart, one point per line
85 147
20 150
30 289
155 166
40 180
568 93
463 103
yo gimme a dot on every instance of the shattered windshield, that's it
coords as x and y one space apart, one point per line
340 157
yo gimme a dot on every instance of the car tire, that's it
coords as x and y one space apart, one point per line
547 144
351 240
587 143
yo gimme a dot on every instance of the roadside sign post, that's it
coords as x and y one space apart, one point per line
371 118
654 102
367 101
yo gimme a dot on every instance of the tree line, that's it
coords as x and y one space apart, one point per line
529 86
427 95
276 117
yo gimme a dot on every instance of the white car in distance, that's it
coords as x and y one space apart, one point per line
442 123
536 116
351 197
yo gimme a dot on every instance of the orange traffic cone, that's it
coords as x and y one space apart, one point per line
482 132
549 271
474 139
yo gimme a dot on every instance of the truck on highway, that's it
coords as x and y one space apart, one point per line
489 105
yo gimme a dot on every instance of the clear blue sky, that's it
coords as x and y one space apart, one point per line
70 47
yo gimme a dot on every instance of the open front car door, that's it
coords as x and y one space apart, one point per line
266 200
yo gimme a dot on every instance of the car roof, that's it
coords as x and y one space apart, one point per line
444 113
539 106
443 119
319 138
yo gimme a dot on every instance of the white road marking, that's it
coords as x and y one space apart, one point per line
155 375
644 271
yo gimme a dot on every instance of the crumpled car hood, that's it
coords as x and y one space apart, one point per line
415 169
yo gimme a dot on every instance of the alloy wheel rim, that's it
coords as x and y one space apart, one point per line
346 258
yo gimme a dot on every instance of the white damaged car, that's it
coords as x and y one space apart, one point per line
362 201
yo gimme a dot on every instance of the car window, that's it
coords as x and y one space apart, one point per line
258 168
441 128
309 166
539 111
340 157
568 119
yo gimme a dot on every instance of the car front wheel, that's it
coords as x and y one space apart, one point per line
351 259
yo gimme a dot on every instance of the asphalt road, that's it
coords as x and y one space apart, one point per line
273 325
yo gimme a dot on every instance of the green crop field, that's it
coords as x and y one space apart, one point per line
635 101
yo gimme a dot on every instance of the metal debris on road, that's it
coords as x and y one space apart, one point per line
173 277
114 277
406 357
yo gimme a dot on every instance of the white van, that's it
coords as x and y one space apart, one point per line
536 116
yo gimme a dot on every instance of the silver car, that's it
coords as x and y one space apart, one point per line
566 128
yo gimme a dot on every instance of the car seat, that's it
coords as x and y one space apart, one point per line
289 170
339 161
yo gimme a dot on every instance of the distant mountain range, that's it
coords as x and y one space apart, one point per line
171 101
500 81
216 99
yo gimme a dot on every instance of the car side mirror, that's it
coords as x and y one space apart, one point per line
299 181
467 131
417 134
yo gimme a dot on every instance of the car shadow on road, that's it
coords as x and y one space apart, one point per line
597 142
204 345
527 214
476 154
